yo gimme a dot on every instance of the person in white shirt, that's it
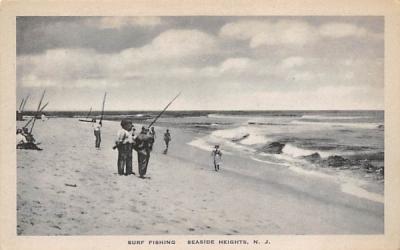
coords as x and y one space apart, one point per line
97 133
21 139
124 143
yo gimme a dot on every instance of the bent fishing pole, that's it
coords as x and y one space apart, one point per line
162 112
38 110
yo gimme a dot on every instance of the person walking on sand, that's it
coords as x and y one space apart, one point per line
217 157
167 139
124 143
97 133
142 146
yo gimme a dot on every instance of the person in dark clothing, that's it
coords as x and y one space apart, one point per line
124 145
152 133
167 139
142 146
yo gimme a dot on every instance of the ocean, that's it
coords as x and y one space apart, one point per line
316 140
307 139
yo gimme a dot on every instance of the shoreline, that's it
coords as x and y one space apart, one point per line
183 196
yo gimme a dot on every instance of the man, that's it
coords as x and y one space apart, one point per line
124 145
167 139
96 129
152 133
21 139
142 146
30 142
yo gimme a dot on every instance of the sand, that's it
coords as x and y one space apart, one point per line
71 188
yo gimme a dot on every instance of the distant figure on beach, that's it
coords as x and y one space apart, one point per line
142 146
43 117
217 157
124 143
96 129
167 139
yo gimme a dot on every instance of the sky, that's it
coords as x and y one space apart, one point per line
218 63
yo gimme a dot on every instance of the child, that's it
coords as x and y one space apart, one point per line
124 145
217 157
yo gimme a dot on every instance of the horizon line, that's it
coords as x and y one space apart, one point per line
205 110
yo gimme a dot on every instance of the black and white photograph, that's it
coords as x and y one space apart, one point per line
200 125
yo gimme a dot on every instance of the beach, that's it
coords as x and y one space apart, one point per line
72 188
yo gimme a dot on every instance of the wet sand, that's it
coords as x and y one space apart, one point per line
71 188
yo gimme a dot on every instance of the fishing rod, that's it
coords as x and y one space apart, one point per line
162 112
20 106
33 117
37 112
102 110
90 110
26 100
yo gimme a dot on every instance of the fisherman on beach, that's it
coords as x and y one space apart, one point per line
217 157
25 140
152 133
167 139
124 143
21 139
96 129
142 146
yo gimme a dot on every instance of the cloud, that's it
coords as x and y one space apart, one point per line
235 64
183 42
121 22
171 44
270 33
244 30
291 62
285 32
164 56
290 32
340 30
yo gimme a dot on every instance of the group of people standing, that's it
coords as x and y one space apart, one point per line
142 143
